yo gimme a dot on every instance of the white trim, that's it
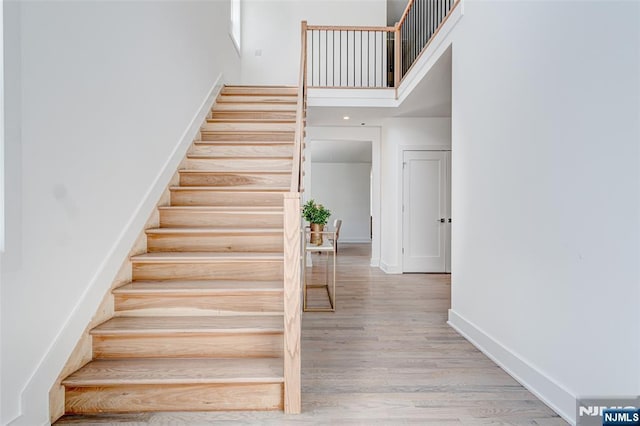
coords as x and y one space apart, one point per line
34 407
236 42
553 394
390 269
2 192
381 97
425 147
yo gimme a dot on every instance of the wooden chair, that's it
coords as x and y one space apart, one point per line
336 228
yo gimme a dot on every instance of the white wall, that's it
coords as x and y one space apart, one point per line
99 96
273 28
546 191
345 189
399 134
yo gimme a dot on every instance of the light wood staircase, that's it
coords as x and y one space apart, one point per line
200 325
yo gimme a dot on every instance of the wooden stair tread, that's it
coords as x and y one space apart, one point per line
245 142
266 99
245 89
151 371
245 158
253 115
214 231
249 127
227 172
261 86
195 257
261 190
228 209
250 120
177 287
222 324
240 133
254 106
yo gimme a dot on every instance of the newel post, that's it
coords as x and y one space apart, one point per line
292 308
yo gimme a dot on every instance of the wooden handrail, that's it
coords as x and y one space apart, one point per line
296 182
437 30
349 28
404 14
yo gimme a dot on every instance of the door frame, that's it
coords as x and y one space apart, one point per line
350 133
400 215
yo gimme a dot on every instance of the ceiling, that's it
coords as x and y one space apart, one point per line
335 151
430 98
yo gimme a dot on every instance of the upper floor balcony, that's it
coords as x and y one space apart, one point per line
371 66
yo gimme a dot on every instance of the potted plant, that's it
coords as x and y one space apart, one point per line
316 215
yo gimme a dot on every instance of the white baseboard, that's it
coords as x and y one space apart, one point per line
355 240
536 381
375 262
390 269
34 397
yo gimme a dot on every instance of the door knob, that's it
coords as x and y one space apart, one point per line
441 220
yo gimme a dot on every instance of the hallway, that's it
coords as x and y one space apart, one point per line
386 356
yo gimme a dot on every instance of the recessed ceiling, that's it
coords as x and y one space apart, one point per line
430 98
335 151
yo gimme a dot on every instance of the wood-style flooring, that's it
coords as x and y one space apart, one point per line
385 357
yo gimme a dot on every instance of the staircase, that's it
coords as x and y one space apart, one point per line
200 326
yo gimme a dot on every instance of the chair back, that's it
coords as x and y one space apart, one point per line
336 226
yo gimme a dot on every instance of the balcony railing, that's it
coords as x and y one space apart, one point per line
349 56
372 57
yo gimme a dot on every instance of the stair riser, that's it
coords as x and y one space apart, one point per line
215 243
191 218
237 151
249 345
257 99
188 397
255 106
248 136
244 164
257 90
194 305
262 115
214 198
239 180
235 271
249 127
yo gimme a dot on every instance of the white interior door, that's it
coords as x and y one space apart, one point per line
425 212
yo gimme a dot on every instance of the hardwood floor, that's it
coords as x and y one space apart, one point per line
386 356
